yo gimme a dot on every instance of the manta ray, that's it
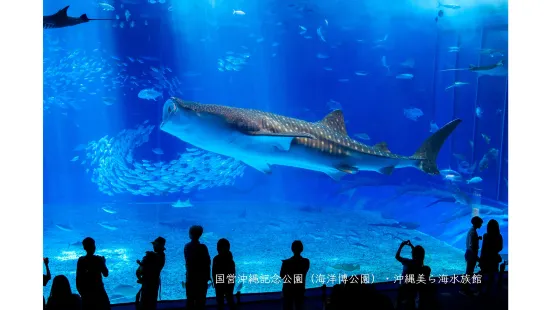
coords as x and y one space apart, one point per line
261 139
61 19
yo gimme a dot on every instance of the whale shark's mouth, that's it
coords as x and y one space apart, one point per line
169 110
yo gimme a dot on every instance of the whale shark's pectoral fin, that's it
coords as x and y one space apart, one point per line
336 174
347 169
281 141
260 166
341 171
387 170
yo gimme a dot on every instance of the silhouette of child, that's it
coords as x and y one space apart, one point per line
293 272
471 253
492 244
223 273
90 269
61 296
198 270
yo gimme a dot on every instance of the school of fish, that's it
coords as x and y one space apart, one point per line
113 168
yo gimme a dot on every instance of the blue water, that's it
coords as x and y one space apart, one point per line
112 174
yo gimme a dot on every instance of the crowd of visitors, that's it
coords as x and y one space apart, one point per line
416 291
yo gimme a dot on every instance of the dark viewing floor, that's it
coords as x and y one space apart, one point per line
449 298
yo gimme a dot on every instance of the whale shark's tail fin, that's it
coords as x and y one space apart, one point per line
431 147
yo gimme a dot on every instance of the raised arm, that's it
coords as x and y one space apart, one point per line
48 276
398 256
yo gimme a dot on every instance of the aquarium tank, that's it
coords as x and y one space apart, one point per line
349 125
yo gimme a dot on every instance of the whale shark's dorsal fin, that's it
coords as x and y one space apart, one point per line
62 12
335 121
382 146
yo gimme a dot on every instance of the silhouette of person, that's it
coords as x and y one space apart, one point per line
471 253
46 277
492 244
61 296
428 297
198 270
223 274
410 273
293 273
149 275
90 269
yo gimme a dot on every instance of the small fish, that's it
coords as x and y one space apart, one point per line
440 15
322 56
74 158
363 136
413 113
383 61
149 94
449 6
108 100
361 73
474 180
453 178
404 76
158 151
107 210
457 84
334 105
107 226
320 34
454 49
63 227
238 12
486 138
106 6
479 112
433 127
302 30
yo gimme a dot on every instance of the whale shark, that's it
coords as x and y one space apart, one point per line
61 19
262 139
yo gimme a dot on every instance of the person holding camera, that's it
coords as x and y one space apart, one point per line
149 275
46 277
412 269
90 269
